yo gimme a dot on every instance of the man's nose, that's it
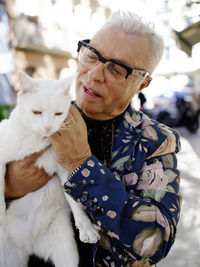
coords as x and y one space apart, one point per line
97 73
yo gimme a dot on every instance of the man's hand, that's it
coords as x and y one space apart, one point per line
70 142
23 177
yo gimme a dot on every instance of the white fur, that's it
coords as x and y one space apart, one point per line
39 223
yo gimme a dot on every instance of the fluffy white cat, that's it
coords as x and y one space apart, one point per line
39 223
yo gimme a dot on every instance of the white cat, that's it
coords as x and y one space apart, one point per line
39 223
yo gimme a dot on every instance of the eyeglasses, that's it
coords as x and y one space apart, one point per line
115 71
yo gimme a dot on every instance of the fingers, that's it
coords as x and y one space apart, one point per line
71 115
72 118
71 127
75 113
33 157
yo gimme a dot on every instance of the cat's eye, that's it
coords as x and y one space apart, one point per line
58 113
37 112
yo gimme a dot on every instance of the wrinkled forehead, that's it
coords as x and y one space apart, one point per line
132 49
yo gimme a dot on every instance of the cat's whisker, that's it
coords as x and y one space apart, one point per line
62 128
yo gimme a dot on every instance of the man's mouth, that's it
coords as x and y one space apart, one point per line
90 91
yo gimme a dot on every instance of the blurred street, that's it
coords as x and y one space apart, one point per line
186 249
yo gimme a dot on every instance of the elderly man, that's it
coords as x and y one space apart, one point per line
122 165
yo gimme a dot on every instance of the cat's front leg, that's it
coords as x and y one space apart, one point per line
88 231
57 243
2 185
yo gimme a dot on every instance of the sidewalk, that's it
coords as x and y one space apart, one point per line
186 249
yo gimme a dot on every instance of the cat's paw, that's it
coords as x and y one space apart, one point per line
89 234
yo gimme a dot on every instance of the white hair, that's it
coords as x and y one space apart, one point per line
132 23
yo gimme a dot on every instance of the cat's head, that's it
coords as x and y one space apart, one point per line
43 103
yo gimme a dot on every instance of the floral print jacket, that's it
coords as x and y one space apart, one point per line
136 201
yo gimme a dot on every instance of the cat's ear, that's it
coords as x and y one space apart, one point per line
26 83
66 83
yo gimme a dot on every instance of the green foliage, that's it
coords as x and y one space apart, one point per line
190 3
5 111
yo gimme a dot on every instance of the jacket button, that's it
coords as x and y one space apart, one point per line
89 203
94 207
83 198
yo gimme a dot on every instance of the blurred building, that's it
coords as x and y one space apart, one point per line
44 33
180 68
6 58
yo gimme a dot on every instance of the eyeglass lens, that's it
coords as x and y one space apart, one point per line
113 71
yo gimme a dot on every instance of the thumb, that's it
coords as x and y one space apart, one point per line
33 157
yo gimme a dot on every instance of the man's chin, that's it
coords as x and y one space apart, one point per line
90 112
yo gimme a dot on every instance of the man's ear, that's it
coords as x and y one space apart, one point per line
145 83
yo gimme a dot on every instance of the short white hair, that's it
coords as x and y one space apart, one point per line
132 23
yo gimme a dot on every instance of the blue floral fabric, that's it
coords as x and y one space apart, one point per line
136 201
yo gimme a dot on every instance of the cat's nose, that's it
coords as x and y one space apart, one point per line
47 128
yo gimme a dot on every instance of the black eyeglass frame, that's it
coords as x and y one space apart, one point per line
129 70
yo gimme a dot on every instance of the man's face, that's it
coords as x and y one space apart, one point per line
100 98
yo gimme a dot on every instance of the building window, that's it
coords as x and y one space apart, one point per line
190 83
30 71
